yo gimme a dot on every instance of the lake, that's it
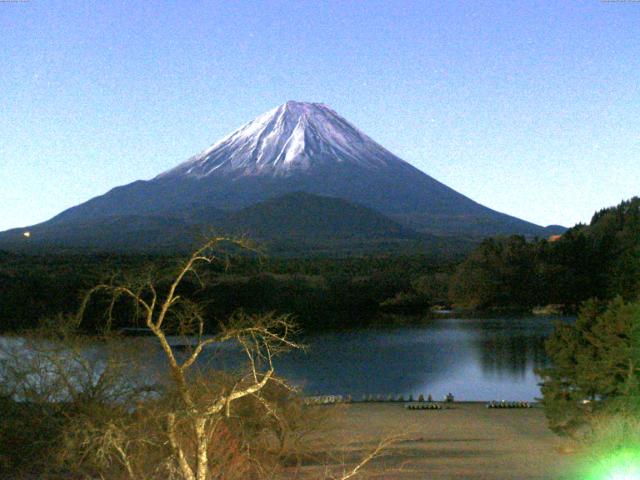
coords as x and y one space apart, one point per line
474 359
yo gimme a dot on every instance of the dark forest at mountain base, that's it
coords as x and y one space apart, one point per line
502 274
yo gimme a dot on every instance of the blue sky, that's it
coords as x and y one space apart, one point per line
529 107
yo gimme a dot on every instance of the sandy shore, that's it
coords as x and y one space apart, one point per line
465 441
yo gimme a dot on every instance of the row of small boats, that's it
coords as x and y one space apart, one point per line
330 399
327 399
410 403
423 406
504 404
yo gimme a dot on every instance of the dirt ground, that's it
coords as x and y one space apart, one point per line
466 441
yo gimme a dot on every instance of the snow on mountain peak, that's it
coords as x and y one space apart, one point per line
293 137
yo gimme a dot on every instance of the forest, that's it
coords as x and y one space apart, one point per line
318 292
599 260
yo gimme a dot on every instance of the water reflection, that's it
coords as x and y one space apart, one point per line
475 359
510 347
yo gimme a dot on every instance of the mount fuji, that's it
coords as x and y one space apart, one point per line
296 147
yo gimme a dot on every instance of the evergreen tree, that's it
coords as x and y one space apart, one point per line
595 365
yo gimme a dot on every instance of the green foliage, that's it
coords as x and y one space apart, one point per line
33 287
433 287
499 273
596 360
600 260
611 433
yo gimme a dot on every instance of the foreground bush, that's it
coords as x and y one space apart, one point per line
93 438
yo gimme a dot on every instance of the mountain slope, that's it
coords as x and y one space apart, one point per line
296 218
300 215
298 147
115 233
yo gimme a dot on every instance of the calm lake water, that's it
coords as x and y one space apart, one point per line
474 359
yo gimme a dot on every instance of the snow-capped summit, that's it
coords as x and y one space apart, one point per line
293 137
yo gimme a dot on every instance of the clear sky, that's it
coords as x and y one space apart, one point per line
529 107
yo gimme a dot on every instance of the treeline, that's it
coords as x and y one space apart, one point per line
318 292
33 287
599 260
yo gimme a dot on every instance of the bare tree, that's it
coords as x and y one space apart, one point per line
260 337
